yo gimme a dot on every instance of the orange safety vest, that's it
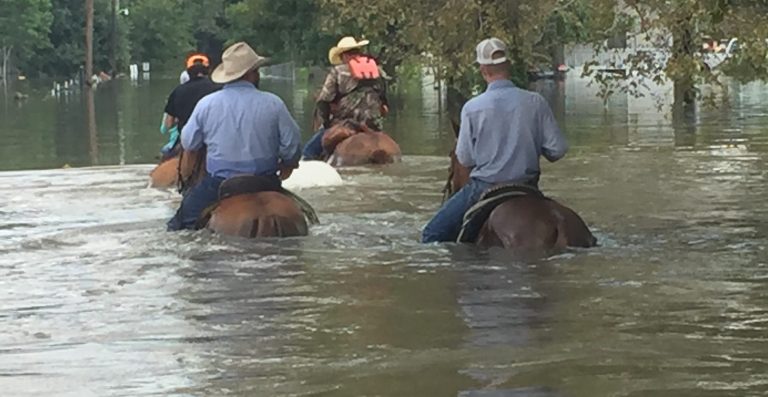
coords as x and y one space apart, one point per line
364 67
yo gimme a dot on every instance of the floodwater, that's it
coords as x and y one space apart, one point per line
96 299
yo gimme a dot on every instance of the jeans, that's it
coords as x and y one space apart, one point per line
313 150
446 224
197 199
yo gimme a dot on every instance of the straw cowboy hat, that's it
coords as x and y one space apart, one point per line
236 61
345 44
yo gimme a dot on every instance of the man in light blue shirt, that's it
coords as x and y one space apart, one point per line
246 132
503 133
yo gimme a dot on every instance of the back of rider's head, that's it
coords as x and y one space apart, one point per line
197 70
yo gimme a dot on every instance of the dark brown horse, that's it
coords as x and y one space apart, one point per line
526 223
246 208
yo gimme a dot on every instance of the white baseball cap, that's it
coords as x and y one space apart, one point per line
487 48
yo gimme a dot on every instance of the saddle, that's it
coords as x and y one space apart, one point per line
491 198
249 184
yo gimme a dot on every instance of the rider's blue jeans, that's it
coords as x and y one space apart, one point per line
313 150
197 199
446 224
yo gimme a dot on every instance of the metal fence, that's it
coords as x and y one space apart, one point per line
281 71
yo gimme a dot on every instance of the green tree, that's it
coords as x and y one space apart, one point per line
24 26
285 30
443 33
64 57
674 31
160 30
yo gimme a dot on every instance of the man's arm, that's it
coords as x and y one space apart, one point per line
170 118
168 123
327 95
290 137
192 135
554 146
464 146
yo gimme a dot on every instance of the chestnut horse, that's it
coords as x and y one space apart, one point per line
349 143
352 144
245 208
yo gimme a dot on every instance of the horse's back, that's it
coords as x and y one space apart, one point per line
521 224
366 148
534 224
263 214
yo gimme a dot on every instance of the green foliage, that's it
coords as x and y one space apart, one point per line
64 56
287 30
160 31
678 29
443 33
24 26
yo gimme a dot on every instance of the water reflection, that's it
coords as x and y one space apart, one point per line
90 114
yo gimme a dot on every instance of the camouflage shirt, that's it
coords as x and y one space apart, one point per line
358 100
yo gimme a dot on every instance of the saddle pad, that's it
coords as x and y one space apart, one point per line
490 199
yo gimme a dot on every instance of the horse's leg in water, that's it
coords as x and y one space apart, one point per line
524 224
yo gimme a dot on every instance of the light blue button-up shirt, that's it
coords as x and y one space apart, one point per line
504 131
246 131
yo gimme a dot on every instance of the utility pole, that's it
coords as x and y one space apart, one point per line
88 42
113 51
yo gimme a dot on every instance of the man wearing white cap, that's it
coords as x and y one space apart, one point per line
246 132
503 133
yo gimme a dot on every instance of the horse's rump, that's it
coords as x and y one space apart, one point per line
247 190
263 214
490 199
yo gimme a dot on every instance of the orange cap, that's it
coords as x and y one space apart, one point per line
197 57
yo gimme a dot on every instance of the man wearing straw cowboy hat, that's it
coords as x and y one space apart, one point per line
353 90
246 131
